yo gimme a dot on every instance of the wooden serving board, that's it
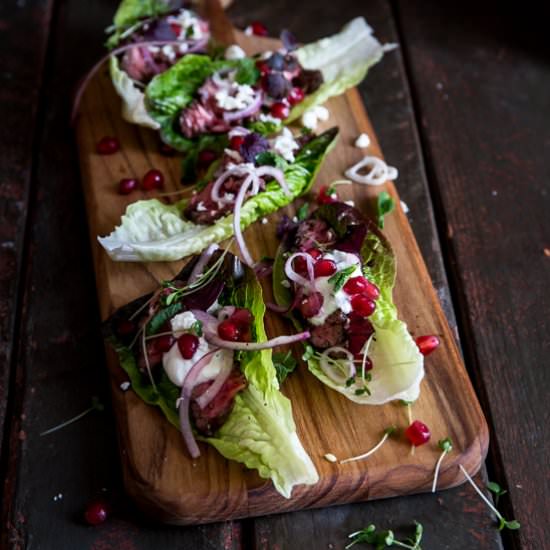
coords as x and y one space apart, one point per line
158 472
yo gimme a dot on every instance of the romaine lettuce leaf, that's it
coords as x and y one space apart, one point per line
398 365
260 431
343 59
153 231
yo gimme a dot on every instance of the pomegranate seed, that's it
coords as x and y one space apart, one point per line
295 96
242 317
418 433
355 285
363 305
258 28
311 305
206 157
426 344
235 142
107 145
126 327
97 512
164 343
359 325
314 253
228 330
263 67
153 179
280 110
127 185
175 28
356 343
324 268
188 344
300 264
326 195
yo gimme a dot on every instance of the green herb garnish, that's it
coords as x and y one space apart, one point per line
496 489
284 364
302 212
384 205
383 539
338 280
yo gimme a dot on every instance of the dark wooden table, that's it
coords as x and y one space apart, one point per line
462 108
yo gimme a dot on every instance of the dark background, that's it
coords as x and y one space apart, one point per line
462 108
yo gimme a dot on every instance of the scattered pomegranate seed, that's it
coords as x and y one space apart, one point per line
97 512
426 344
263 67
324 268
235 142
363 305
153 179
107 145
295 96
300 264
206 157
326 195
229 330
127 185
188 344
280 110
164 343
311 305
258 28
418 433
126 327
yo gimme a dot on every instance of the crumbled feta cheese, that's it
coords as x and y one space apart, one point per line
295 219
201 207
269 118
229 196
234 52
183 47
169 52
322 112
285 145
235 97
312 116
362 141
154 49
182 322
330 457
350 203
264 221
249 31
404 207
266 55
125 386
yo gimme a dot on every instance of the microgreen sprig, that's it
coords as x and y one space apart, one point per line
97 405
503 523
496 489
387 432
383 539
446 446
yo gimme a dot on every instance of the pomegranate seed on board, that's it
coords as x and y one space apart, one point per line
188 344
153 179
418 433
426 344
228 330
107 145
97 512
280 110
324 268
127 185
326 195
235 142
295 96
258 28
363 305
311 305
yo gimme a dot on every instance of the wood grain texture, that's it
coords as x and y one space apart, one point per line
494 198
158 473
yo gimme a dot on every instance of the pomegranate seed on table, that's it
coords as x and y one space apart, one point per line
280 110
127 185
326 195
426 344
418 433
97 511
363 305
258 28
107 145
153 179
206 157
324 268
228 330
164 343
295 96
188 344
235 142
311 305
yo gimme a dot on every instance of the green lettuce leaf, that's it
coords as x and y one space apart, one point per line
260 431
398 365
153 231
343 59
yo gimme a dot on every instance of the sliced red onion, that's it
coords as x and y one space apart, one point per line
211 392
252 109
276 174
238 131
297 278
255 346
251 179
330 369
209 322
201 263
188 384
239 171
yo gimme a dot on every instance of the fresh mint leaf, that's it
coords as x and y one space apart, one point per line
384 205
338 280
284 365
247 73
162 316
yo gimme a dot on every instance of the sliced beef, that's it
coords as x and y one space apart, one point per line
212 417
331 332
